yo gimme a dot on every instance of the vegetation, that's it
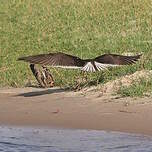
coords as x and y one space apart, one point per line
85 28
141 88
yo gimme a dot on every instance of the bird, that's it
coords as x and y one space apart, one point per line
63 60
42 75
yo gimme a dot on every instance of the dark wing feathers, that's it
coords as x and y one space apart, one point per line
116 59
54 59
92 65
36 59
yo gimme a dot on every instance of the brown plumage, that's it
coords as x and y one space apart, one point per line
91 65
42 75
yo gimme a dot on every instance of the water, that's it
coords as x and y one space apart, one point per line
26 139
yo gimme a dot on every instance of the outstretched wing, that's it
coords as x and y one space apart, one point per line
91 65
113 59
55 59
109 60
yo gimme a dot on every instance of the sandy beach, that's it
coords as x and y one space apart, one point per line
59 108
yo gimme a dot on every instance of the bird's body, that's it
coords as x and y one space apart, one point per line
63 60
42 75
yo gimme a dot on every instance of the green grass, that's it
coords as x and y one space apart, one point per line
137 89
85 28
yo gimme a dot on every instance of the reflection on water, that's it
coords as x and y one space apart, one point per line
25 139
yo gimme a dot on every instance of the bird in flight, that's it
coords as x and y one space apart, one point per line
63 60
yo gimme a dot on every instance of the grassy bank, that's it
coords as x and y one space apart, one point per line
140 88
83 28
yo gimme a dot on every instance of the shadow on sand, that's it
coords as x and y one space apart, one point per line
42 92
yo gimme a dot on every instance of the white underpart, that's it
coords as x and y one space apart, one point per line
100 66
67 67
88 67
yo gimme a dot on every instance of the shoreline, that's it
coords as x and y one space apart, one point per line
58 108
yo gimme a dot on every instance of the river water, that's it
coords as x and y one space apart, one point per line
28 139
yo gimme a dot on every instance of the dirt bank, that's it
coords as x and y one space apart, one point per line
56 107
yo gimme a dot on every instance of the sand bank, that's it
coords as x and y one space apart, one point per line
58 108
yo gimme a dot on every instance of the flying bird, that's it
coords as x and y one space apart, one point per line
63 60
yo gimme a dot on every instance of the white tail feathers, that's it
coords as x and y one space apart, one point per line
89 67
